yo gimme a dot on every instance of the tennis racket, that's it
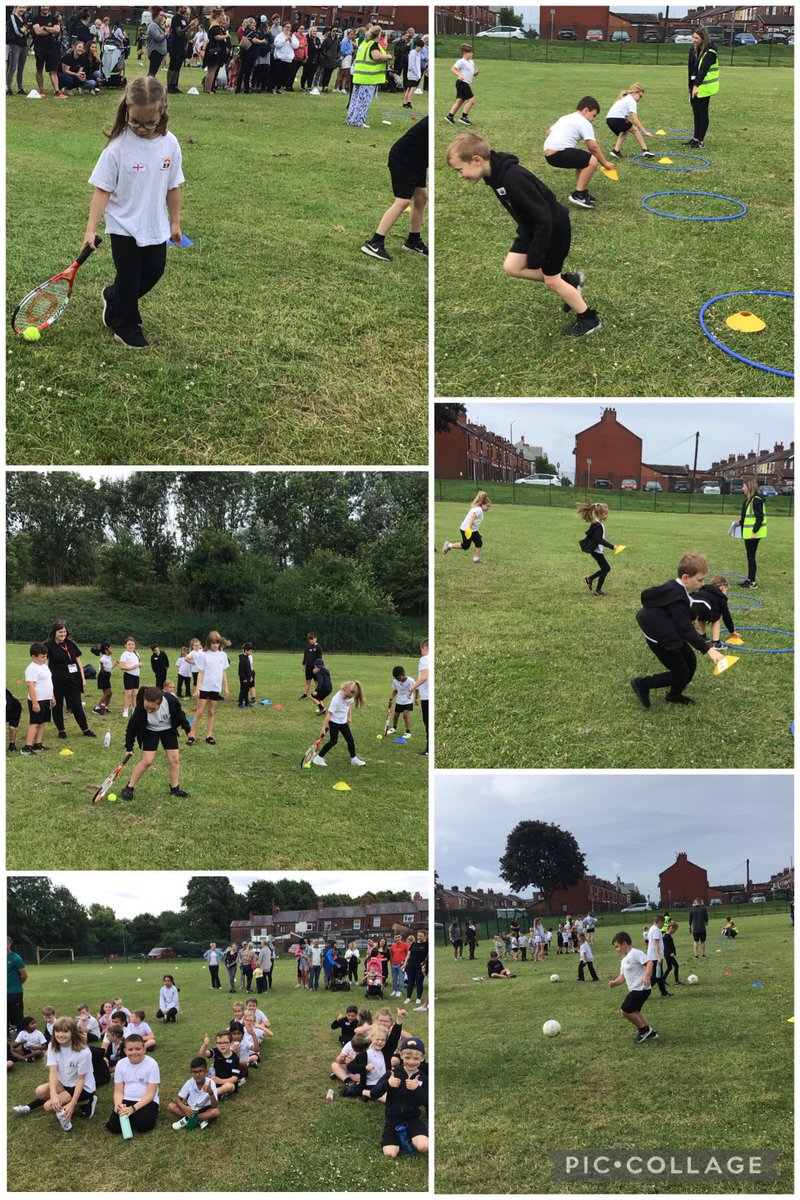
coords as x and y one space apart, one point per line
46 303
105 786
312 750
388 724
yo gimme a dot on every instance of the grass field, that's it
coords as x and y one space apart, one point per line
648 276
534 671
261 333
310 1145
718 1076
250 800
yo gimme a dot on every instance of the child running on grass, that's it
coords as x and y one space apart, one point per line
621 118
635 973
561 149
137 189
665 619
408 167
154 722
41 701
131 666
212 677
544 233
338 720
592 540
470 536
710 605
103 652
196 1102
465 71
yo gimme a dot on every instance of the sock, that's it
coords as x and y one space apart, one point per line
37 1103
12 745
414 237
380 238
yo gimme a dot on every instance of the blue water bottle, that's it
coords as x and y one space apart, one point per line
405 1140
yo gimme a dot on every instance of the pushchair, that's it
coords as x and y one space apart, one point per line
112 62
338 982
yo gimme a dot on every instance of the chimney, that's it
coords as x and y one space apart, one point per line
367 900
740 458
682 857
609 414
416 897
731 458
454 888
275 910
468 889
320 905
778 448
480 891
491 891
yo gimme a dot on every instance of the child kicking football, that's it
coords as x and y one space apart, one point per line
635 974
470 526
543 227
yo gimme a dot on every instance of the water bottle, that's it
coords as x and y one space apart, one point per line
125 1127
107 739
329 1094
405 1140
64 1120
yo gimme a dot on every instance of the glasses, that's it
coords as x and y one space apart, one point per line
150 126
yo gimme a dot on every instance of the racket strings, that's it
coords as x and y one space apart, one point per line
44 304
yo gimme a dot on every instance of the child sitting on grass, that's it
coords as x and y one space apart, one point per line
30 1043
225 1072
405 1090
138 1025
496 970
71 1084
196 1102
113 1043
346 1023
136 1080
88 1024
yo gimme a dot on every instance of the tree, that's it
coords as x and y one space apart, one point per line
63 515
636 897
210 904
446 415
43 914
104 927
144 931
543 466
507 16
123 566
295 893
216 575
541 855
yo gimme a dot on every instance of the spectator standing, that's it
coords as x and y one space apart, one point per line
16 48
213 958
231 964
369 74
312 60
181 29
16 976
156 47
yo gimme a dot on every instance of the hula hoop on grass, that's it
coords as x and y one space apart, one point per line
750 362
728 574
669 131
682 217
762 649
704 162
755 601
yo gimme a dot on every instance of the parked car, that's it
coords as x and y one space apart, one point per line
629 485
716 34
758 899
594 35
620 35
736 898
680 904
777 38
637 908
709 488
787 489
680 485
681 37
650 35
653 485
744 39
734 487
161 952
567 35
790 41
714 903
603 483
766 489
503 31
541 480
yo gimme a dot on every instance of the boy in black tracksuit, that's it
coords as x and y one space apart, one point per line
665 619
160 664
543 229
312 652
155 720
247 676
322 686
406 1091
710 605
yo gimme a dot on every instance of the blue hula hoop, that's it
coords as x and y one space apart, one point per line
669 131
681 217
762 649
750 362
728 574
755 601
704 162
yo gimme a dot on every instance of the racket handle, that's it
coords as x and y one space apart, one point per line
87 250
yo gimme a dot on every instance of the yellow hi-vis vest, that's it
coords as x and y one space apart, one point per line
367 71
710 85
750 520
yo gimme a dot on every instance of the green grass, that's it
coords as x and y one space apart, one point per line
274 340
533 671
250 799
311 1143
647 276
719 1075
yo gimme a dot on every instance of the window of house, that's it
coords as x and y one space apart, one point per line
408 919
357 923
376 922
328 925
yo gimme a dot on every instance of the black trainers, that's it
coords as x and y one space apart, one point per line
376 250
133 339
62 733
642 692
592 199
12 747
577 279
717 645
28 750
617 154
648 154
642 1034
464 121
39 747
127 792
679 700
693 142
648 1033
210 741
108 312
89 733
179 792
586 322
417 245
581 199
587 579
450 119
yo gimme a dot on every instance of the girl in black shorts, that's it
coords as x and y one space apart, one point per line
157 716
470 537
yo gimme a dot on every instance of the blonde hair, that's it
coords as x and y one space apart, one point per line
359 700
481 498
589 510
466 147
692 563
77 1039
374 33
216 636
142 91
635 87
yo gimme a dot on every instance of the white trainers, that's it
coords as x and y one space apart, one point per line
406 735
21 1110
446 548
318 762
124 712
392 730
357 762
477 558
184 1121
314 92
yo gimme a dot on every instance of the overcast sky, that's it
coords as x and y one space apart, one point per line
667 430
130 893
530 13
627 825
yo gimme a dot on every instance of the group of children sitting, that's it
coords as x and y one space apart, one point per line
379 1061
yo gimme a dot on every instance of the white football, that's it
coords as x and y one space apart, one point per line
692 979
551 1029
555 978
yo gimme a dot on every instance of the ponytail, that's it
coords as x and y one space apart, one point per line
587 509
481 498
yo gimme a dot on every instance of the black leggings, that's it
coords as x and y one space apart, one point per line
184 685
139 269
176 59
309 70
72 698
142 1120
672 965
414 978
156 60
334 730
751 549
581 966
700 109
681 665
604 566
246 59
352 969
424 706
244 690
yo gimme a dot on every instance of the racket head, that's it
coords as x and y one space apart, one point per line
45 304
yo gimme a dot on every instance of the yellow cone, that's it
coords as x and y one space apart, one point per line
342 787
735 640
790 1021
65 751
745 322
665 162
727 662
661 133
619 549
610 173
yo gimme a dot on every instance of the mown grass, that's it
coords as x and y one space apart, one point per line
648 276
719 1076
250 801
311 1144
534 671
274 340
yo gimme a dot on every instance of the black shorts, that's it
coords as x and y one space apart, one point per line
320 696
390 1137
47 57
556 252
405 180
634 1001
43 715
103 680
619 124
574 158
403 707
458 944
474 540
309 672
407 83
209 695
130 682
85 1096
698 935
463 90
153 738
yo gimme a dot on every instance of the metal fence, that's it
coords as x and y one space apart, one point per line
655 54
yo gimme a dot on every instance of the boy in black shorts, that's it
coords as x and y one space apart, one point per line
323 686
406 1091
465 71
157 716
408 167
543 229
312 652
635 971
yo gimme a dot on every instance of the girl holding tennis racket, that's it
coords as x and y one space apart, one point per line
470 537
338 720
137 189
592 540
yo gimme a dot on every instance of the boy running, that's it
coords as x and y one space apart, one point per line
635 973
465 71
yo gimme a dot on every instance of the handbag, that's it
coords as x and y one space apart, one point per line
244 42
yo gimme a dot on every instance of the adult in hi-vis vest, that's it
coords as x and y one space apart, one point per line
753 523
703 83
369 72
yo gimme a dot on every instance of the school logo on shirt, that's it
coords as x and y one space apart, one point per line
166 163
137 167
500 191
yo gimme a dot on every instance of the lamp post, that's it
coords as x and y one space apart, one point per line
511 442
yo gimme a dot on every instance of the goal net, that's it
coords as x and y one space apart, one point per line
54 954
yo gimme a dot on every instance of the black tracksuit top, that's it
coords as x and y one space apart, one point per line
530 203
666 617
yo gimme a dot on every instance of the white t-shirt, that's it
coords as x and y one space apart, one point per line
261 1017
285 47
72 1063
473 518
247 1047
568 131
522 941
139 171
136 1078
622 108
39 675
143 1029
196 1097
632 967
130 661
31 1040
168 998
379 1065
106 663
184 668
585 952
160 719
467 68
212 663
404 689
339 707
90 1025
655 944
422 665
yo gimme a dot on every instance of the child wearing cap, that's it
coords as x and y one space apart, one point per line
322 685
406 1091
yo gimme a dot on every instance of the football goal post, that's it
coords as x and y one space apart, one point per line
54 954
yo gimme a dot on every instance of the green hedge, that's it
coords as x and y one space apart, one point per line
651 54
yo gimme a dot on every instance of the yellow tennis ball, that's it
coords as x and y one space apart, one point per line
31 333
112 795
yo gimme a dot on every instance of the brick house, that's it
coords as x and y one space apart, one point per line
684 881
467 899
590 894
361 920
468 451
464 20
607 450
775 467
